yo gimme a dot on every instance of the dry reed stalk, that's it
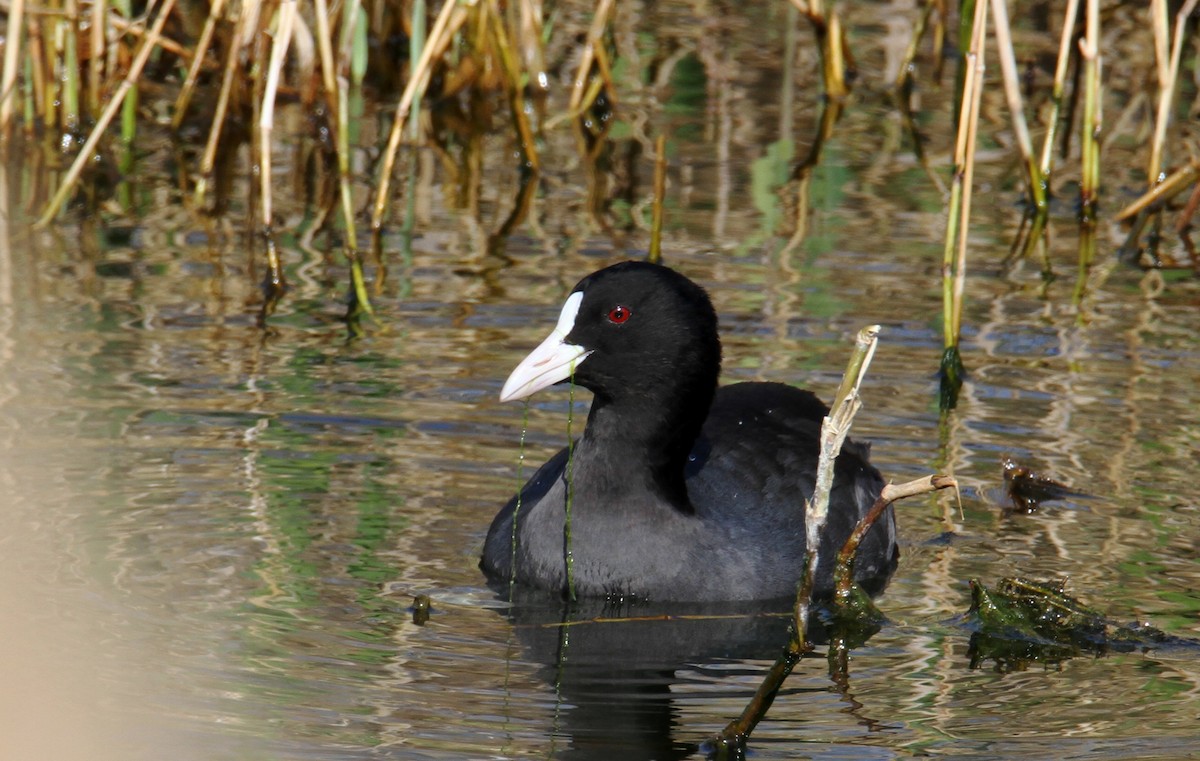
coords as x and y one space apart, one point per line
831 44
512 83
1174 184
134 29
209 157
833 49
449 21
36 73
1060 78
70 67
118 98
532 45
1160 26
578 102
266 120
189 83
1089 50
12 59
1012 91
834 429
582 78
51 92
97 27
1167 93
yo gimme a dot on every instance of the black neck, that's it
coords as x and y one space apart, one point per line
646 440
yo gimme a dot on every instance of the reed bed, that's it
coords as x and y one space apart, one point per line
74 71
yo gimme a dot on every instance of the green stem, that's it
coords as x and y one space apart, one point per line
569 555
512 558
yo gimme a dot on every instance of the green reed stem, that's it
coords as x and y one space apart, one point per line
954 255
356 25
416 46
1060 77
1090 145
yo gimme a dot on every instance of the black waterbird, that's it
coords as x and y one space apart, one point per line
679 490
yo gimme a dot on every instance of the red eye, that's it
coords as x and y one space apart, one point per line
619 314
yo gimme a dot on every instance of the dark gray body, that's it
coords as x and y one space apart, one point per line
740 533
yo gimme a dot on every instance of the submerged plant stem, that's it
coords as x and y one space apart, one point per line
568 555
512 558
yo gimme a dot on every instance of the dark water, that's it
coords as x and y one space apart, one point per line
214 531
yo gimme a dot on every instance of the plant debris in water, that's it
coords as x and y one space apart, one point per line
421 607
1020 621
1028 489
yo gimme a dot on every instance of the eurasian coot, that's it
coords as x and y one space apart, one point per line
678 489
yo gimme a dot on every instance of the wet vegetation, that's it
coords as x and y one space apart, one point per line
1021 622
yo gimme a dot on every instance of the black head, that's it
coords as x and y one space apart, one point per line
631 331
646 329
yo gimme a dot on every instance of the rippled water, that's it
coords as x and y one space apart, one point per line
214 531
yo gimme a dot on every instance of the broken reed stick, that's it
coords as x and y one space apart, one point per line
1174 184
843 570
836 426
118 98
834 430
1163 116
